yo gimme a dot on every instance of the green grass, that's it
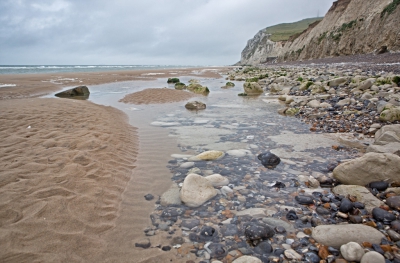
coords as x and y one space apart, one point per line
282 32
390 8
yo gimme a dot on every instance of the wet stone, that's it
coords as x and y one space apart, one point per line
382 215
257 232
269 160
263 248
379 185
304 200
346 205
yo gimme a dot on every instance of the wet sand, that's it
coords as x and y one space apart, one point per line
157 96
35 85
69 190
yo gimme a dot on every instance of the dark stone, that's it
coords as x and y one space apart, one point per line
291 215
166 248
379 185
358 205
269 160
190 223
333 251
280 229
378 249
322 210
170 213
263 248
304 200
208 233
393 202
218 251
382 215
355 219
194 238
381 50
145 243
149 197
177 241
173 80
81 92
257 232
346 205
312 257
229 230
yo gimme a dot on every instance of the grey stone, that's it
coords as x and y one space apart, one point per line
171 196
337 81
195 105
352 251
291 254
278 222
368 168
196 190
337 235
363 195
393 148
372 257
365 85
217 180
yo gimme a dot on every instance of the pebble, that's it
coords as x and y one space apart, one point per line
372 257
352 251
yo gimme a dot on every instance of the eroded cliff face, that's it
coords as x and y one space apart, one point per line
260 49
350 27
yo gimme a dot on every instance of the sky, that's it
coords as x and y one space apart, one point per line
139 32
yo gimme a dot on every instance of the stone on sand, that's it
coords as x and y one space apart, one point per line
196 190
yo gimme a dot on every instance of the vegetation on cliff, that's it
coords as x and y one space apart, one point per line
283 32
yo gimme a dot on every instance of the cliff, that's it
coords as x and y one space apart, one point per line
349 27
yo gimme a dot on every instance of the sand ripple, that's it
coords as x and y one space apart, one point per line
63 167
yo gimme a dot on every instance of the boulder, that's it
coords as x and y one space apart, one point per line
81 92
207 156
252 88
362 194
337 81
198 89
388 134
196 190
247 259
217 180
368 168
180 86
337 235
390 115
195 105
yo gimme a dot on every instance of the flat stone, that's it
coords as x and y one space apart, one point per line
254 212
363 195
337 235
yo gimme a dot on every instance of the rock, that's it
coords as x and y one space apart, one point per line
149 197
390 115
379 185
239 153
381 50
382 215
81 92
292 255
217 250
207 156
304 200
187 165
388 134
269 160
171 196
362 194
365 85
314 104
198 89
253 212
344 102
196 190
229 84
346 205
256 232
372 257
180 86
252 88
225 190
144 243
276 222
393 147
352 251
291 111
393 202
247 259
337 81
195 105
315 89
217 180
337 235
395 225
368 168
173 80
394 236
190 224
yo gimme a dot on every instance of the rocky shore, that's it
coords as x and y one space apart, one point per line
238 206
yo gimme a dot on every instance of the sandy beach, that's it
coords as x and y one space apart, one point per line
65 165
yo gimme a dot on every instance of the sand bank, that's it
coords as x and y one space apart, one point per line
157 96
64 165
34 85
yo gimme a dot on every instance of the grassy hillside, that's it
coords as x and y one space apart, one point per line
283 31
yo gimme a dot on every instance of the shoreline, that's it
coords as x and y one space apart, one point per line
36 85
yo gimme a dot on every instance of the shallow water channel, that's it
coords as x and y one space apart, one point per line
230 122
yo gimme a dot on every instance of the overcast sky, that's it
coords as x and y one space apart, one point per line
133 32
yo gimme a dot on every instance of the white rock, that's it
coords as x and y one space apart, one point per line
196 190
239 153
226 190
352 251
187 165
171 196
372 257
247 259
291 254
217 180
207 156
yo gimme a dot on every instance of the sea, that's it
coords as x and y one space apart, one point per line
37 69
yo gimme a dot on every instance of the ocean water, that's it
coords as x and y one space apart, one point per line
37 69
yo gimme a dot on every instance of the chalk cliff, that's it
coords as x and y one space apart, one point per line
349 27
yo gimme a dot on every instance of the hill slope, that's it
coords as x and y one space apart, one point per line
282 32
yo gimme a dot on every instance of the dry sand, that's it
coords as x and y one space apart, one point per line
69 190
64 165
30 85
157 96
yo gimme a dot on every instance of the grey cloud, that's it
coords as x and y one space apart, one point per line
139 32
